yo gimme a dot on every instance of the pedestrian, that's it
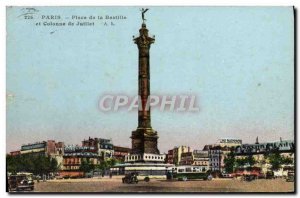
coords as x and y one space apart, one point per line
110 175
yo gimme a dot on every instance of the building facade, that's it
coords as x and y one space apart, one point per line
15 153
217 155
74 156
47 148
218 152
174 155
104 147
170 157
283 146
201 158
186 158
120 153
195 158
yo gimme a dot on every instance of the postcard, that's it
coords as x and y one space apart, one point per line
150 99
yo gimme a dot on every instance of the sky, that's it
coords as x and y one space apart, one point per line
237 61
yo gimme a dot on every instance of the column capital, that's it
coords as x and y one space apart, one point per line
144 40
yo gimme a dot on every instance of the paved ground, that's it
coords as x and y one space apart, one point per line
116 185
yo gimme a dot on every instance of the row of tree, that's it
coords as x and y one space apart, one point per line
87 166
40 164
273 158
276 160
231 162
36 164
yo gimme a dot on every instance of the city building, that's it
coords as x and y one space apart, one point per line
195 158
120 153
103 146
283 146
47 148
94 150
177 152
229 142
186 158
106 149
73 157
218 152
56 150
170 156
201 158
38 148
15 153
259 152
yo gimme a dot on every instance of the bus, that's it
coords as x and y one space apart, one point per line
189 172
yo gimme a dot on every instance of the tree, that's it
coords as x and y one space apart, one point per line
111 162
250 160
106 164
43 164
229 162
11 164
53 165
241 162
287 160
103 165
86 166
36 164
275 160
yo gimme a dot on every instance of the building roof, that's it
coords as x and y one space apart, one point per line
121 149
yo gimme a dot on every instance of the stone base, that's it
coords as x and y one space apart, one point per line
145 158
144 140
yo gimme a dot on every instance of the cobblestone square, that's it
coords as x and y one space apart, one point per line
115 185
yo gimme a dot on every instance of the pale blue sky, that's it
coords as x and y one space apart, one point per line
238 61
